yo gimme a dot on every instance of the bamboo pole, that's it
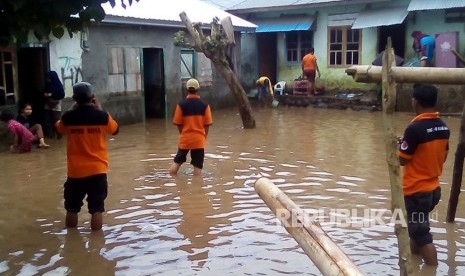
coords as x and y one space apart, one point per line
397 195
457 172
433 75
458 56
318 246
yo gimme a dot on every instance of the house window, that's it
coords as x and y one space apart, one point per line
124 70
297 44
7 83
344 46
188 61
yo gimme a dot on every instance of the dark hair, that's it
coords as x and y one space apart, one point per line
425 94
6 116
311 50
22 105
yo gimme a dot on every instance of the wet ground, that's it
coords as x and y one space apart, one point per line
326 161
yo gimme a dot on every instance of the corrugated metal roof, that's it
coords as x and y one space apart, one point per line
258 5
169 11
284 24
420 5
380 17
223 4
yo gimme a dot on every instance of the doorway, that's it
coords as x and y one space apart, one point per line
154 83
397 34
32 69
267 55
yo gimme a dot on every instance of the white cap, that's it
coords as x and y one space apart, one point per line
192 84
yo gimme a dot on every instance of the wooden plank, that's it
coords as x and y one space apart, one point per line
390 139
318 246
431 75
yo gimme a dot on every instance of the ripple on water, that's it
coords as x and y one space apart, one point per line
217 224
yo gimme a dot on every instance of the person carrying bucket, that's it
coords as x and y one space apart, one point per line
265 92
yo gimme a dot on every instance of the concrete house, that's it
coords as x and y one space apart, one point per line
130 58
343 33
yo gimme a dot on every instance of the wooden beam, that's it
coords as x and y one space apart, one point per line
390 139
318 246
432 75
458 56
457 172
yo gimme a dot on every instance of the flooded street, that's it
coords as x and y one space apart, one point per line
326 161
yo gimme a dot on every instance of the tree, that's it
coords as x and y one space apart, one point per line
44 17
215 47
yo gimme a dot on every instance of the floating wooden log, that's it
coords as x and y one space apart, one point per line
318 246
433 75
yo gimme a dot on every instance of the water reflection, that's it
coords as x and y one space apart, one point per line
83 254
325 160
195 224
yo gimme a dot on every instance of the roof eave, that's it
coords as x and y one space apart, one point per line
122 20
301 6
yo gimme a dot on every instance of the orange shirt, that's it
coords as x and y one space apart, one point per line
309 62
86 130
193 115
425 145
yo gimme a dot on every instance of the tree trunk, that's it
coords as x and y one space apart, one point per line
457 173
397 195
245 110
221 63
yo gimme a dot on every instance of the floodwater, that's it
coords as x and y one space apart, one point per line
327 161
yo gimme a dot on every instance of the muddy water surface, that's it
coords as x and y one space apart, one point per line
329 162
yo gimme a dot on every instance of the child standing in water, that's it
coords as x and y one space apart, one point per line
23 138
25 112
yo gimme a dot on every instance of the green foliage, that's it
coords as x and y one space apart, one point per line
181 40
45 17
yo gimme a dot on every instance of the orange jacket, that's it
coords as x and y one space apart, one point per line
193 115
86 129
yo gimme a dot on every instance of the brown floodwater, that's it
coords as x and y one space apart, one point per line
327 161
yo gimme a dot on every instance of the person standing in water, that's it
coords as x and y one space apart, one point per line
423 150
86 126
54 92
193 118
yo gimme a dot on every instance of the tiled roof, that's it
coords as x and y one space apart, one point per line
159 12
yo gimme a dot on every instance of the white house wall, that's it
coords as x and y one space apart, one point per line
334 78
65 59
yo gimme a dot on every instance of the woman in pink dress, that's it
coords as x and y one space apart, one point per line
23 138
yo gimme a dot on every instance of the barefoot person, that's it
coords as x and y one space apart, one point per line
24 116
86 126
422 152
310 68
23 137
193 118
